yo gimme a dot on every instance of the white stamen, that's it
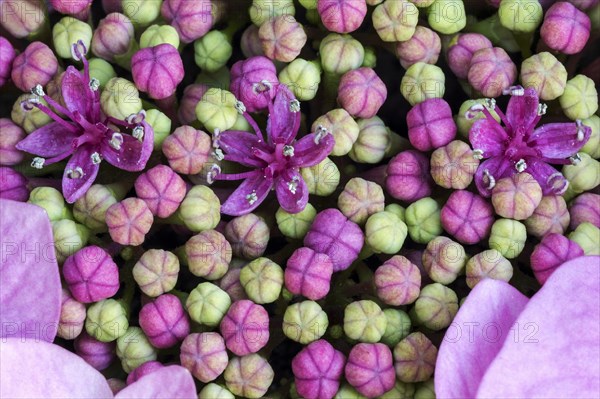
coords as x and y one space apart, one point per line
542 108
293 186
218 154
30 103
473 111
555 178
38 90
288 151
491 182
135 119
138 133
78 50
477 154
575 159
580 130
521 165
94 84
240 107
320 133
76 173
95 157
261 86
212 174
38 162
514 91
295 106
216 135
116 140
490 103
252 197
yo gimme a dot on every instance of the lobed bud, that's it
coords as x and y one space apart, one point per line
248 235
588 237
347 391
69 237
385 232
491 71
397 328
444 260
395 20
305 322
361 199
187 150
162 189
71 7
191 19
217 110
408 177
295 225
51 200
342 16
157 70
114 36
415 357
508 237
516 197
536 68
447 16
342 126
96 353
370 369
565 28
321 179
90 209
340 53
72 317
107 320
37 64
263 10
374 139
207 304
436 307
142 370
364 321
159 34
580 98
398 281
328 363
308 273
103 71
430 124
464 124
424 46
22 24
230 283
461 50
200 209
550 253
584 208
164 321
129 221
361 92
214 391
550 216
212 51
134 349
245 328
28 120
282 38
250 42
262 280
91 274
488 264
249 376
120 98
521 16
7 55
421 82
141 12
208 254
584 175
156 272
251 79
423 220
592 147
302 77
67 32
467 217
205 356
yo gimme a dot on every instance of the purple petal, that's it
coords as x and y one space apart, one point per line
488 136
38 369
239 145
292 192
522 110
73 188
559 140
498 167
308 153
555 352
30 297
134 154
49 141
475 337
239 203
167 382
76 92
550 180
283 124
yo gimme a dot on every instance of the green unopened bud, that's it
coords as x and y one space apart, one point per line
395 20
436 306
347 391
374 139
425 390
101 70
444 259
29 120
508 237
370 60
588 237
207 304
415 358
159 34
134 349
90 209
397 328
161 124
592 147
364 321
385 232
214 391
106 320
262 280
51 200
536 69
396 209
141 12
263 10
401 390
69 237
583 175
321 179
295 225
343 127
522 16
120 98
249 376
447 16
488 264
360 199
302 77
340 53
464 124
212 51
423 220
305 322
200 209
217 109
422 81
580 99
67 32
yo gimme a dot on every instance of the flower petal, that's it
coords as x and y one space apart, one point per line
76 93
559 140
134 154
239 203
167 382
48 141
30 297
291 190
475 337
38 369
308 153
498 167
239 145
522 110
73 188
550 180
556 351
488 136
283 123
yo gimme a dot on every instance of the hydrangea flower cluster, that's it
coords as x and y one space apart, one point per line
434 226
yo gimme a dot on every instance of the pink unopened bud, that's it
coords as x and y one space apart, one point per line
342 16
191 19
550 253
467 217
430 124
245 327
491 71
7 55
253 82
144 369
128 221
398 281
282 38
461 51
250 42
187 149
97 354
23 18
91 274
408 177
565 28
317 370
585 208
11 135
70 7
164 321
72 317
204 355
157 70
13 185
361 92
112 36
424 46
36 65
370 369
162 189
308 273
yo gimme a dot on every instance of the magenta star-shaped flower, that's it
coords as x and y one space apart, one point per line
87 136
275 162
518 146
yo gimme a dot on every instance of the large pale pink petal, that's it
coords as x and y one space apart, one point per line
49 141
239 203
73 188
475 337
40 369
171 382
488 136
555 353
30 291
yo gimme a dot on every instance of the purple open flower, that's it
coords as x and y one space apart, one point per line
518 145
276 161
87 136
503 345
